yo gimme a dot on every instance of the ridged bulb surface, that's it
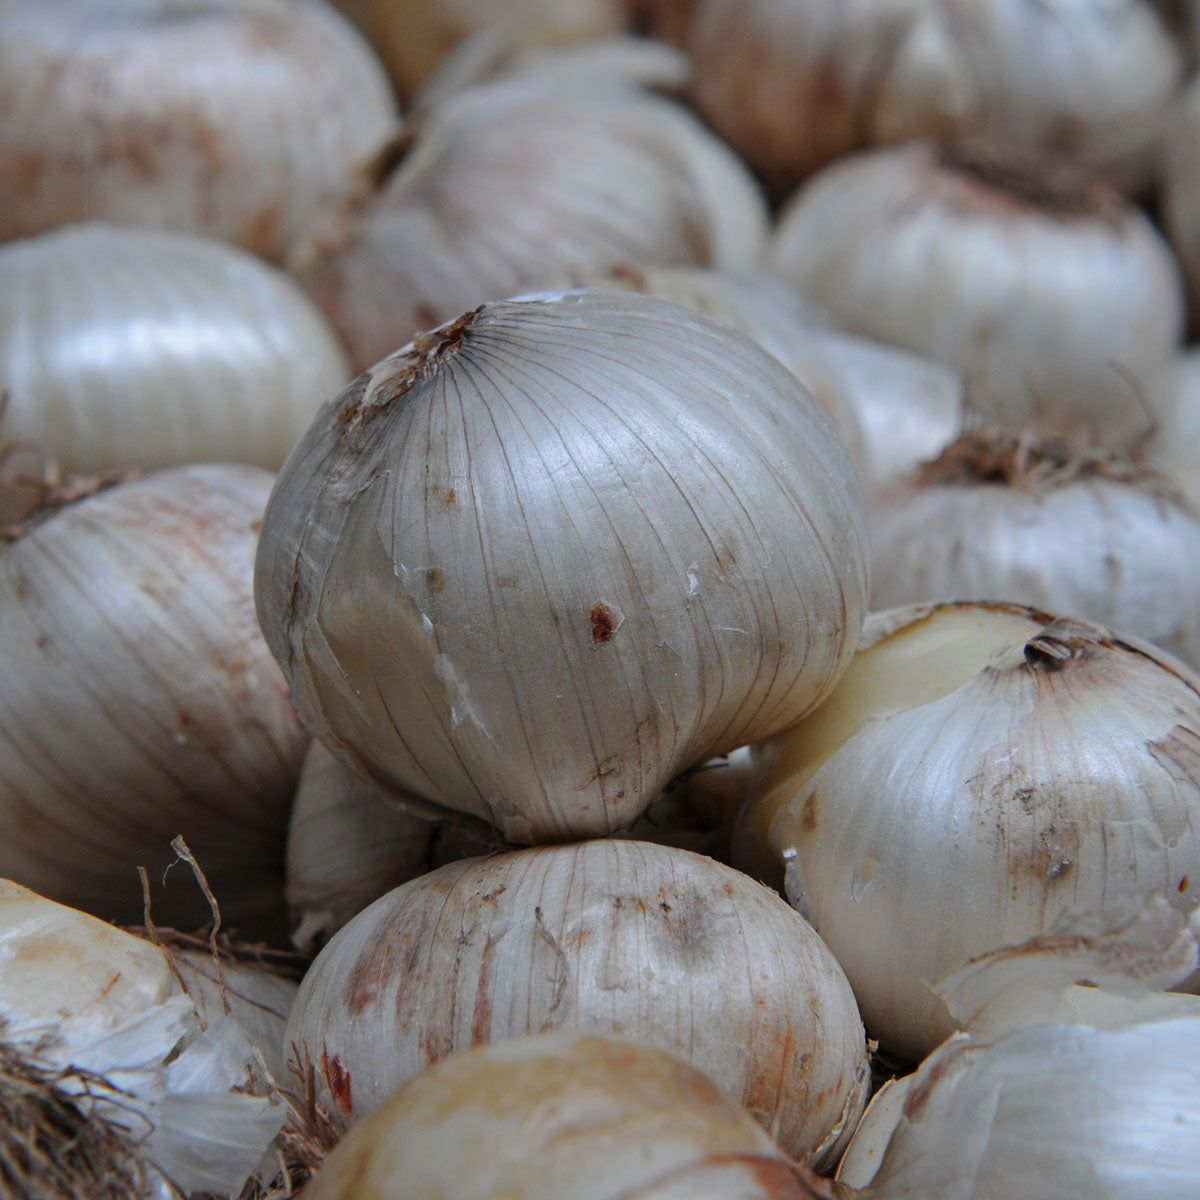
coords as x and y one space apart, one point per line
148 348
660 945
533 566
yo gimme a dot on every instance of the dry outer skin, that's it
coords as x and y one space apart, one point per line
554 1115
656 944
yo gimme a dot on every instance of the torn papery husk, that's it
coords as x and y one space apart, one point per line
104 1010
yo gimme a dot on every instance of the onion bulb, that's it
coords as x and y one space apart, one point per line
982 770
534 565
661 945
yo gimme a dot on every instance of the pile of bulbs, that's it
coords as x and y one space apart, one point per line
653 542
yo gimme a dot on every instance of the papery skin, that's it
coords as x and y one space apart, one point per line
139 702
532 567
1174 449
965 788
1054 1112
795 86
521 184
1057 306
556 1114
146 348
243 119
106 1009
658 944
1110 550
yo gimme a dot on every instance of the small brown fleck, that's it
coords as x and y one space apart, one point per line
810 814
1184 884
506 581
338 1079
604 622
434 580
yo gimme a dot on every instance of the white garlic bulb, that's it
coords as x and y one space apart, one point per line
1180 186
1054 1111
139 702
102 1014
1056 301
794 86
661 945
521 184
1046 526
146 348
347 845
413 39
244 119
585 1115
1174 449
981 770
537 563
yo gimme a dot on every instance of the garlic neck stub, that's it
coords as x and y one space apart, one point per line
534 565
585 1115
667 947
981 770
1049 526
139 702
246 120
795 86
145 348
1055 300
522 184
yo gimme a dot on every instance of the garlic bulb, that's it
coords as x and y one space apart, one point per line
347 845
1055 1111
583 1115
1180 188
661 945
139 702
1174 449
146 348
521 184
1040 524
243 119
1122 953
101 1013
414 38
794 86
981 770
1056 301
537 563
906 407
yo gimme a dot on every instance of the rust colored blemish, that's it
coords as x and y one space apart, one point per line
434 580
375 968
447 496
1184 884
338 1079
726 561
604 622
506 581
810 815
481 1016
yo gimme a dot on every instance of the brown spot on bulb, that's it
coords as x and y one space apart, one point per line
338 1079
434 580
604 622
